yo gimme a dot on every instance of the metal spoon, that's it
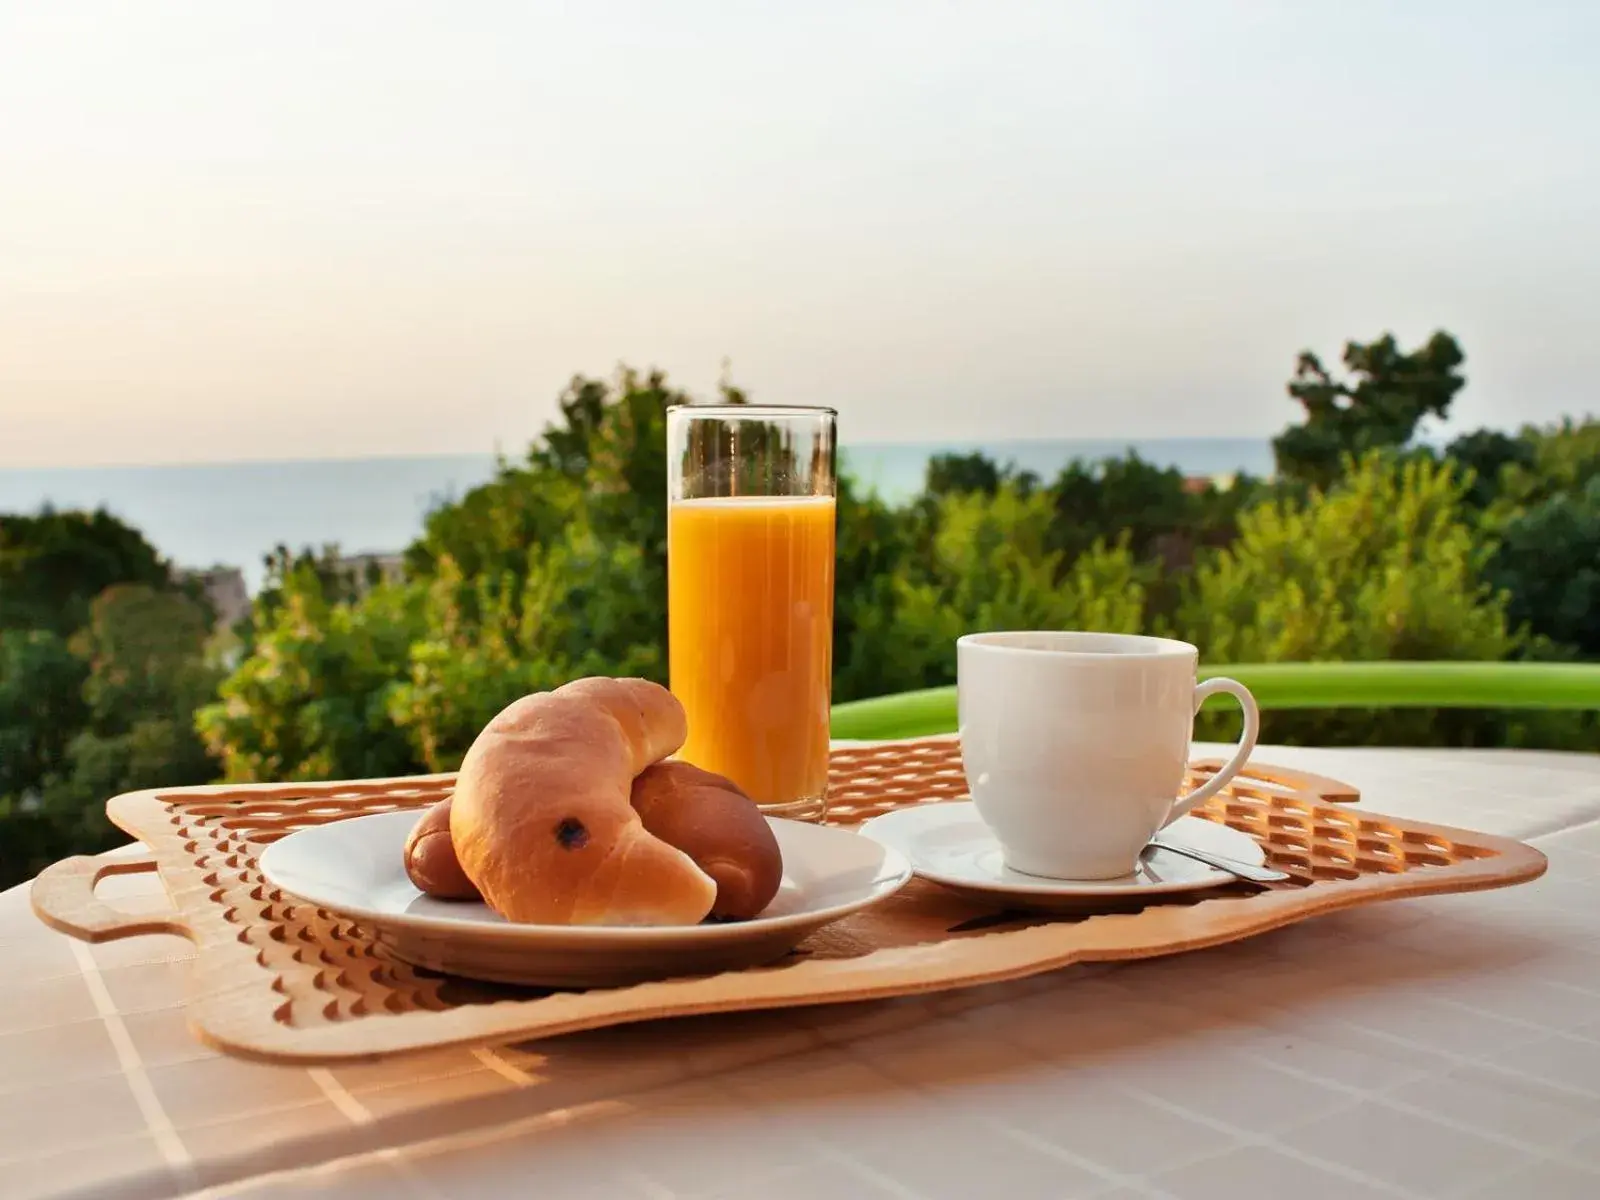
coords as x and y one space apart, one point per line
1233 866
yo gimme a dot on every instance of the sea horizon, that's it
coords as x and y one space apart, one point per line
232 514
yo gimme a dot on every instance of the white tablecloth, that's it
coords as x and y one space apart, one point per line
1430 1048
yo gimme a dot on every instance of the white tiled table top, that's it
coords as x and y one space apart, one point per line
1447 1047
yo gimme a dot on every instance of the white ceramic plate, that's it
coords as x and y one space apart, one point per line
949 845
354 868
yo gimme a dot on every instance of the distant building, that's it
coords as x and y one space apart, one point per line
364 570
1196 485
225 591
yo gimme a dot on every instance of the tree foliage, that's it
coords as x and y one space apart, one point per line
955 474
554 568
1379 405
109 709
1548 564
1366 546
312 698
1386 565
1382 566
1484 457
991 567
41 707
577 610
148 672
1541 516
53 565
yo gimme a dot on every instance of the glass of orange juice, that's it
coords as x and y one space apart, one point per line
750 561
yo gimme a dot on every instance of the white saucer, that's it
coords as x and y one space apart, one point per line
948 844
354 868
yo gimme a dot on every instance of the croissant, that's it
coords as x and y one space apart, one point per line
704 815
431 860
713 822
541 821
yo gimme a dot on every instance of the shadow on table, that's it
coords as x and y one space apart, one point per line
680 1078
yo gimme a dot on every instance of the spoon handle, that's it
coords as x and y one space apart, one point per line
1233 866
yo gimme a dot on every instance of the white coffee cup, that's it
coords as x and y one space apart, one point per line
1075 744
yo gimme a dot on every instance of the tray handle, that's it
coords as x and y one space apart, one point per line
63 898
1329 791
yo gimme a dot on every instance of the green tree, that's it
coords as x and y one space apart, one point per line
1118 498
1387 564
146 651
992 568
958 474
41 708
603 463
148 672
613 446
311 701
490 528
1387 394
1486 454
1541 521
53 565
880 548
1162 517
578 609
116 709
339 583
1558 459
1369 548
554 568
954 474
1548 564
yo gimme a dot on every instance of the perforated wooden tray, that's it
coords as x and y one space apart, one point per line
281 981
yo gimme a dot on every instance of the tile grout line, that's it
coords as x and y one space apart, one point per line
1496 1177
884 1182
400 1158
1244 1138
647 1187
1109 1176
156 1118
1380 1096
358 1114
1481 1062
1560 1152
354 1111
501 1067
1588 993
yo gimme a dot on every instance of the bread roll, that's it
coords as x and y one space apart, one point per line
541 819
705 815
713 822
430 857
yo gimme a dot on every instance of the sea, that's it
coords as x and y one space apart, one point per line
233 514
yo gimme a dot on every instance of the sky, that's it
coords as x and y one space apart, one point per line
295 230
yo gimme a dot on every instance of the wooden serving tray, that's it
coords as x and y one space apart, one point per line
280 981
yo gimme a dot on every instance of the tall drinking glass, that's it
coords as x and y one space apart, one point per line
750 561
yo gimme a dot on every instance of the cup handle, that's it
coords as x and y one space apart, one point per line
1247 744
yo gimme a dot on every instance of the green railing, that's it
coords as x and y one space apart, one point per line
1294 685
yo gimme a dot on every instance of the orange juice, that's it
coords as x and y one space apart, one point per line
750 636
